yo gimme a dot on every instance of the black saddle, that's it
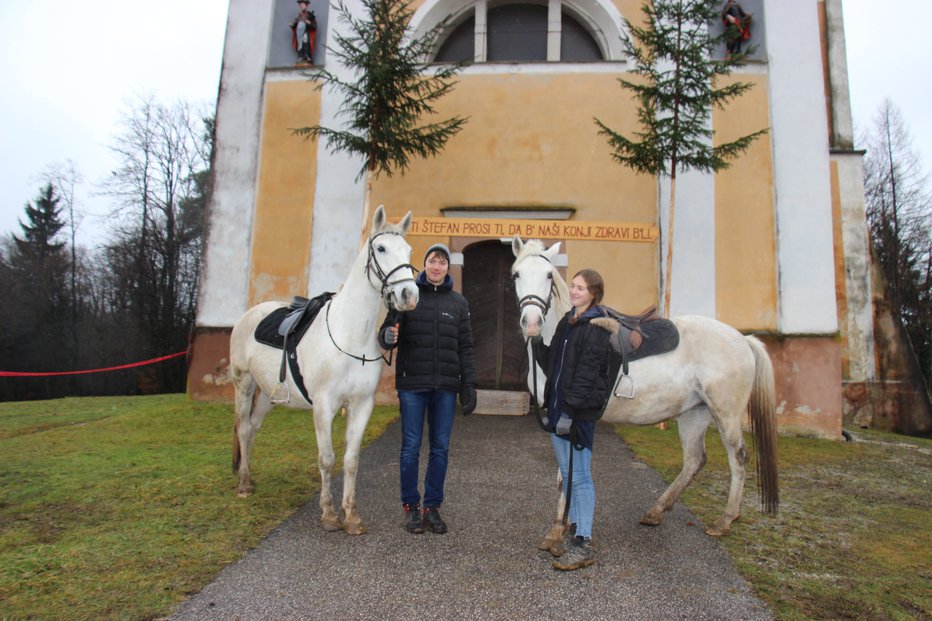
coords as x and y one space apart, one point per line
643 335
284 328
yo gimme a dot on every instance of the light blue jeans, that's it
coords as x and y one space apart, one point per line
582 503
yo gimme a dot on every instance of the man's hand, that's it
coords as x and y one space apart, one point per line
468 399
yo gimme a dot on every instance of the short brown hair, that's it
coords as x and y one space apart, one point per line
594 284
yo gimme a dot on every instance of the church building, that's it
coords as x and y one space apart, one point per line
776 245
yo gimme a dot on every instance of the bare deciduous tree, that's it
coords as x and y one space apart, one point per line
899 213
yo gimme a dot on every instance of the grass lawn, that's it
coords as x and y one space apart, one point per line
119 508
853 538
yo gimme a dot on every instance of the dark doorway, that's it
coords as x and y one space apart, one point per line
501 357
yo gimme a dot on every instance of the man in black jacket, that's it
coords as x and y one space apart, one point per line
435 361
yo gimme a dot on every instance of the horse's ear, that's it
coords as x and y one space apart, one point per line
553 251
406 223
378 219
516 245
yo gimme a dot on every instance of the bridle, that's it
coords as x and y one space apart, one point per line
544 306
535 300
385 284
380 274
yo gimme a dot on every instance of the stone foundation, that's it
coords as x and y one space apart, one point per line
807 374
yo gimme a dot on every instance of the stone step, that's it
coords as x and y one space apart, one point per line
502 402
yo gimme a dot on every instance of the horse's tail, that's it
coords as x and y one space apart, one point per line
762 406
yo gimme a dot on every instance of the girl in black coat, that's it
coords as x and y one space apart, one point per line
577 390
435 362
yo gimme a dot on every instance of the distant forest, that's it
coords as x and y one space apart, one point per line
133 299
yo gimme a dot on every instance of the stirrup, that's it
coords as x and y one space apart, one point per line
625 394
276 397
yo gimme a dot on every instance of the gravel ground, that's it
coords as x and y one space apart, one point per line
500 502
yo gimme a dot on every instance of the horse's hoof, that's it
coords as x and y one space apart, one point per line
719 529
354 529
553 537
651 519
245 491
331 524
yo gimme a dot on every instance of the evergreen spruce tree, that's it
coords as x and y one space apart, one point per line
38 274
44 225
674 60
393 87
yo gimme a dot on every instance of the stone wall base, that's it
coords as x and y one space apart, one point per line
807 373
887 406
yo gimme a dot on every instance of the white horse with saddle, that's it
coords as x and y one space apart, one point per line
338 358
715 375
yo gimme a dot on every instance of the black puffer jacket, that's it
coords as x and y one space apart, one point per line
577 363
435 346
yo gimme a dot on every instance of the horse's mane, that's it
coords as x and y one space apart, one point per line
561 295
535 247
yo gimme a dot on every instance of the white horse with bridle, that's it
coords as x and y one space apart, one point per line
338 359
715 375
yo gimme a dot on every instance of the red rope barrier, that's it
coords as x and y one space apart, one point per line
116 368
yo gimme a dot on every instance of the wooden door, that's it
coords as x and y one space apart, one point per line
501 358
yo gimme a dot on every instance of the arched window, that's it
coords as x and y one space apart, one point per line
460 44
552 30
517 32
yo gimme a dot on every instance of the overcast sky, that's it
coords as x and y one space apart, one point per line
69 68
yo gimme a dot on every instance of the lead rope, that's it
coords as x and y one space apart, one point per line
540 422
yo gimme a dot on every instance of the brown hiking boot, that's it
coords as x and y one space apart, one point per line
413 522
578 556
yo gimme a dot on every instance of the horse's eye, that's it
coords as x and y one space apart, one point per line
381 248
515 276
549 275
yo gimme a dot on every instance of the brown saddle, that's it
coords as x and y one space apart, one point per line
631 333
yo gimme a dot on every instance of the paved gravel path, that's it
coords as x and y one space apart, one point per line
500 502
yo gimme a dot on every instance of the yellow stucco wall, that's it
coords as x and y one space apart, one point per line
745 228
281 234
533 143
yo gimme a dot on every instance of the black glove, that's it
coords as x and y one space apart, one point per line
468 399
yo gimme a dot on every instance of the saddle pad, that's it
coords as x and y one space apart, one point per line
267 330
660 336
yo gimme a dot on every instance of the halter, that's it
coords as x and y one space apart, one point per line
385 285
535 300
380 273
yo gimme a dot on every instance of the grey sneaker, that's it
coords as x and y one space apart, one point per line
559 549
578 556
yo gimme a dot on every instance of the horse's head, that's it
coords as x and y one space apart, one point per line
389 262
534 274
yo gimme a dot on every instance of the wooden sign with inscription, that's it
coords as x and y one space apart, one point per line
534 229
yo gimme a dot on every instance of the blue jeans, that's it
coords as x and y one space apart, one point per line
582 502
439 407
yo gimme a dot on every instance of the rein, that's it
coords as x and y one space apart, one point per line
362 358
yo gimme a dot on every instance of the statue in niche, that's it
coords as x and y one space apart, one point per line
737 26
304 34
